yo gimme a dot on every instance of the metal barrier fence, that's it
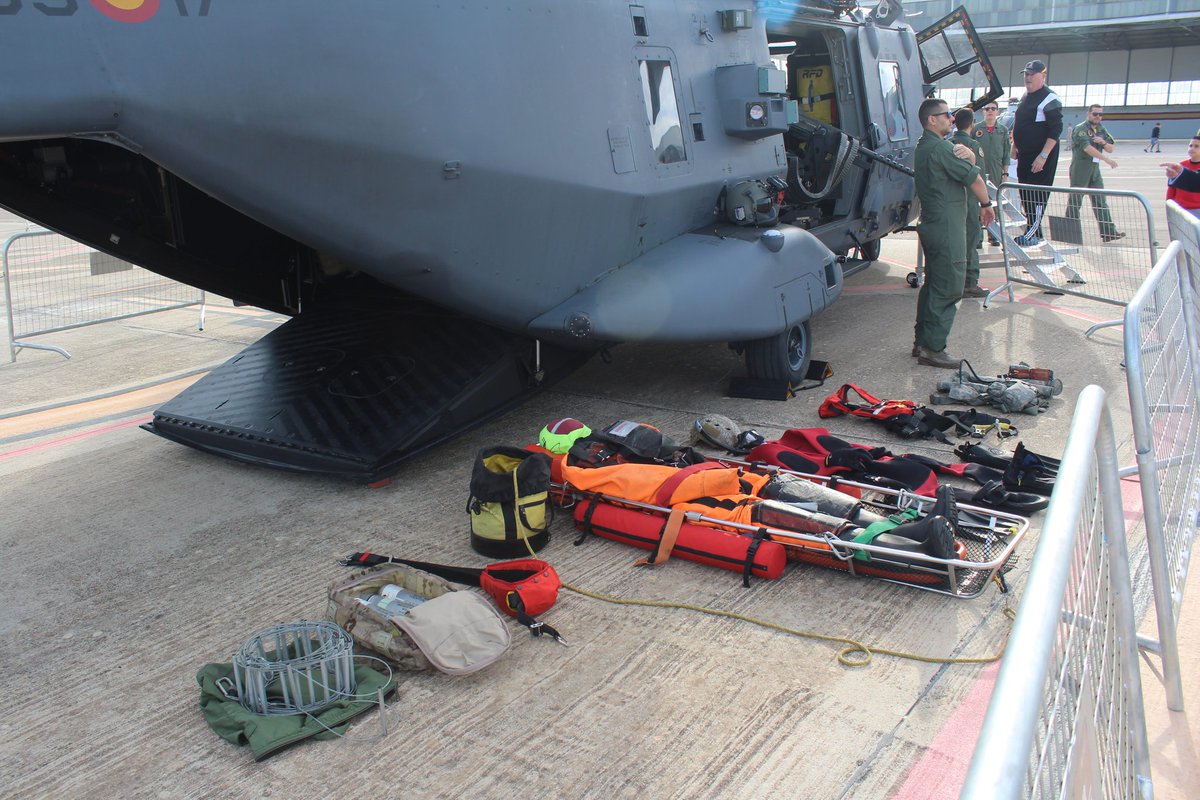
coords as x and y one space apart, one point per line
1162 344
1102 253
54 284
1066 717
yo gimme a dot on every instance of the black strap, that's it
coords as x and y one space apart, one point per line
756 540
536 626
586 523
464 575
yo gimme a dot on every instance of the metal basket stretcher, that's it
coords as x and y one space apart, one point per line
989 538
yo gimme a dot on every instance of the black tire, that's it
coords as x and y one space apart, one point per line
911 278
782 357
870 251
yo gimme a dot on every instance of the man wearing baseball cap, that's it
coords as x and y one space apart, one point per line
1036 127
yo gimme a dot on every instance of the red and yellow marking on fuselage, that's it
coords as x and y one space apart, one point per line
127 10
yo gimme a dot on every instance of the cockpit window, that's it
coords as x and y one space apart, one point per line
894 114
662 111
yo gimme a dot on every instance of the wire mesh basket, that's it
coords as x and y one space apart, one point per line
294 668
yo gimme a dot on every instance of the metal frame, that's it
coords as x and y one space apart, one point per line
1162 345
15 338
1066 716
1052 258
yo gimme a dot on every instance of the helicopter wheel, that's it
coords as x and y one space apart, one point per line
782 357
912 279
870 251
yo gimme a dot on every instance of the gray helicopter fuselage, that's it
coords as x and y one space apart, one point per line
555 168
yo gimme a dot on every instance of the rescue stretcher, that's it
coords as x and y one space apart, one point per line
986 539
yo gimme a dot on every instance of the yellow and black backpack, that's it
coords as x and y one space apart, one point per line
510 502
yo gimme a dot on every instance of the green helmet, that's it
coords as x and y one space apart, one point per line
559 435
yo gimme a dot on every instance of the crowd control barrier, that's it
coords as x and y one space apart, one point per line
1162 345
1093 243
53 284
1066 718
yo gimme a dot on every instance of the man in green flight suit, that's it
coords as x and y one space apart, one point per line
996 143
1090 144
964 121
943 177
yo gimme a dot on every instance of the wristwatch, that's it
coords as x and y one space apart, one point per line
1044 155
988 204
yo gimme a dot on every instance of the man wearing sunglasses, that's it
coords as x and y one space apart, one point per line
943 179
993 139
1036 128
1090 144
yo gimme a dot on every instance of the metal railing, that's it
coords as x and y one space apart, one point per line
1103 253
53 284
1162 344
1066 717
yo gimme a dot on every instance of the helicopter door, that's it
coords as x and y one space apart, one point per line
952 53
890 89
890 96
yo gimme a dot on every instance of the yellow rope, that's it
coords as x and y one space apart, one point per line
845 656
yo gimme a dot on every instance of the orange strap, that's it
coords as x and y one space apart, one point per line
663 496
666 542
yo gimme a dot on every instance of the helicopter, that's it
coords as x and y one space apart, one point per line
457 204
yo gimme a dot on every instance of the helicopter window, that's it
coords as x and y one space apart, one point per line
894 113
662 111
639 20
950 50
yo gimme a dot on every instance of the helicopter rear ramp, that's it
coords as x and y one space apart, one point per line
353 392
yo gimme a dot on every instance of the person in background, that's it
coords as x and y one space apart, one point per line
1154 146
994 140
1189 199
964 122
1036 128
943 179
1090 144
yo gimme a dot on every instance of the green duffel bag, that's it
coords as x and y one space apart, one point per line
509 506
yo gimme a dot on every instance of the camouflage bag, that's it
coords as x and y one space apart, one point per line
371 629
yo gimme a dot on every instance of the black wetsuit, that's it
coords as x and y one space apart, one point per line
1038 118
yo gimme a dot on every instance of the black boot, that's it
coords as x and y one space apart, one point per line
933 536
945 506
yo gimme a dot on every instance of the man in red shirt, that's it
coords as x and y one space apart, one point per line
1189 200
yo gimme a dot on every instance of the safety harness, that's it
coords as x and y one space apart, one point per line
908 419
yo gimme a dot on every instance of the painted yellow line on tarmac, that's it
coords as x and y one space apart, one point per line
88 410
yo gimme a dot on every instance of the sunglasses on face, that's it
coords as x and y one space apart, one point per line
1097 113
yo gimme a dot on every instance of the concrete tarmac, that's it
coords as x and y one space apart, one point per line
129 562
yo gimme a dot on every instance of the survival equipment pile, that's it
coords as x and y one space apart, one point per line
742 518
630 483
909 419
1023 389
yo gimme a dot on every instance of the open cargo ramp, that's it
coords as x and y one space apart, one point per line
354 391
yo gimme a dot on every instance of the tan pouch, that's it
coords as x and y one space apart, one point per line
459 632
371 629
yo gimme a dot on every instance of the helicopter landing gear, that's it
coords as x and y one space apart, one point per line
782 357
870 250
